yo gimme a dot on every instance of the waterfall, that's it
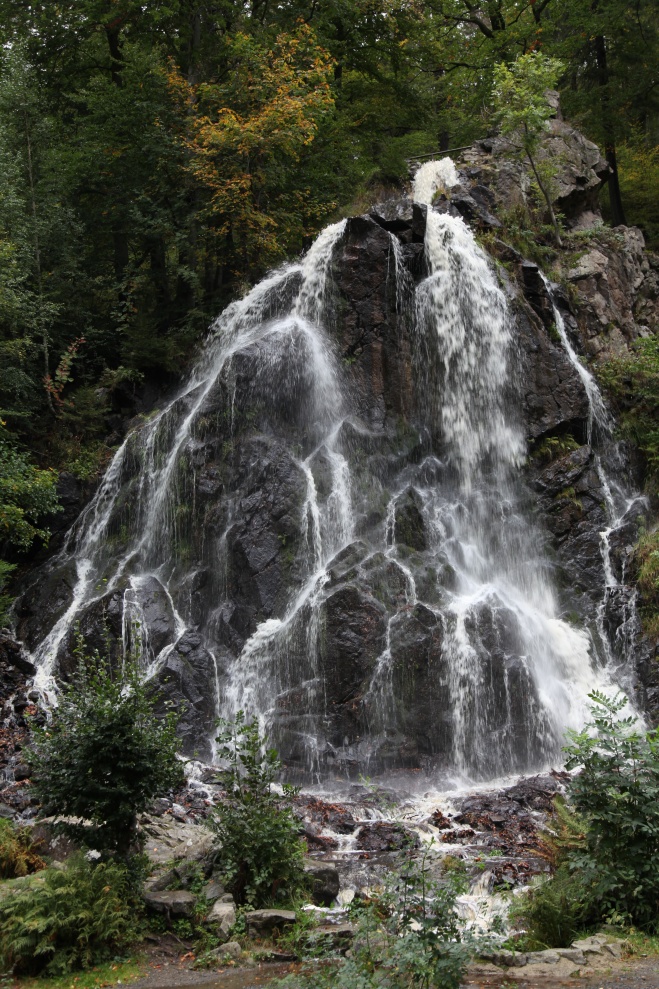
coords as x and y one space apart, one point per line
618 502
372 586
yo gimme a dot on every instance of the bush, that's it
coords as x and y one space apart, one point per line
261 848
633 382
407 936
557 908
647 561
66 919
555 911
104 756
17 854
617 791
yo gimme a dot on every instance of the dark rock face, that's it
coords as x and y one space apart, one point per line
384 837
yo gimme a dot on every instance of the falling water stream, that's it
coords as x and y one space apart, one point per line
509 674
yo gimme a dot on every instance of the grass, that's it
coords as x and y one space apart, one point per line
109 974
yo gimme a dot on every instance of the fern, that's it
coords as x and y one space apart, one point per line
66 919
17 854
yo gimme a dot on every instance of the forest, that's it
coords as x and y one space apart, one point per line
158 158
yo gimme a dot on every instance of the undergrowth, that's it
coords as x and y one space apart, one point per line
18 856
68 918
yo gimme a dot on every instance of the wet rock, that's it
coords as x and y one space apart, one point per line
231 950
617 292
160 806
354 630
334 817
336 937
324 880
262 922
409 525
15 668
384 837
183 684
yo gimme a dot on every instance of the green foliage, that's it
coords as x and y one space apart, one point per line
633 382
17 855
6 569
555 911
26 494
554 447
638 165
523 112
520 99
104 756
261 851
647 560
557 908
66 918
617 791
407 936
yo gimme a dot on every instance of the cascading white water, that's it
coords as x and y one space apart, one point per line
269 398
479 525
434 177
618 506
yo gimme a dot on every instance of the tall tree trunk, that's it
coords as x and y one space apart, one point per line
112 33
608 127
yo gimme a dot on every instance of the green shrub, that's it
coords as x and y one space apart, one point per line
104 756
261 850
647 561
407 936
17 854
66 919
633 382
554 911
617 791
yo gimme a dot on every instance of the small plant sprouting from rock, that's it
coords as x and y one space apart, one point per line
261 850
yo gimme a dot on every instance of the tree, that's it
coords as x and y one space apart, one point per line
244 136
523 110
617 791
104 756
260 846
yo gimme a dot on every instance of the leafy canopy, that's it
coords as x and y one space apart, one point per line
26 494
104 756
520 96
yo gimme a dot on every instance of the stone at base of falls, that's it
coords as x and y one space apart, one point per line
230 950
382 836
222 917
595 952
171 903
168 840
324 880
265 921
338 937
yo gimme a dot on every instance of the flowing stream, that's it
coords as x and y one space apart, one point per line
503 675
